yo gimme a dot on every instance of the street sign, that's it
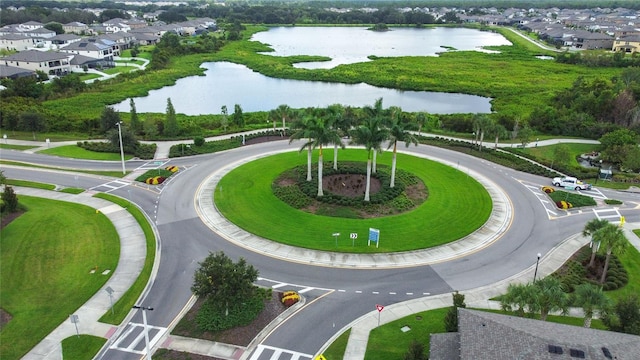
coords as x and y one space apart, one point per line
354 235
374 235
379 307
320 357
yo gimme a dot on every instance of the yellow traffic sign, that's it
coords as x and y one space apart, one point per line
320 357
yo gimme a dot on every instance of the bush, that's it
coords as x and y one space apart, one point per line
548 189
9 199
612 202
575 199
213 313
156 180
198 141
172 168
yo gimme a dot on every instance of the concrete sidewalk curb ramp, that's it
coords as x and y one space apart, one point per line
132 257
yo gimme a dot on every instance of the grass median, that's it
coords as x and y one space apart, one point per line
457 206
76 152
47 256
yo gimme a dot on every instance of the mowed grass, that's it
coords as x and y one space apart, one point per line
575 149
631 262
76 152
457 205
83 347
389 342
47 255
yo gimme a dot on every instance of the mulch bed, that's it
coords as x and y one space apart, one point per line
5 219
242 335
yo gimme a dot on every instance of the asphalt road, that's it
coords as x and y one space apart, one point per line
335 296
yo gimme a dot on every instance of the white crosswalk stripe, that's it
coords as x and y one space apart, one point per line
265 352
132 339
111 186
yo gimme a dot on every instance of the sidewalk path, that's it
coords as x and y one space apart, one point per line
132 257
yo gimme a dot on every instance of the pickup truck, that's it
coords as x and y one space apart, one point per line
570 183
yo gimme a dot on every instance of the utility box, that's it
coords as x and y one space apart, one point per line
605 174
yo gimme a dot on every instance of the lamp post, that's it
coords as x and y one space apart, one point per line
146 330
535 273
110 291
537 141
119 123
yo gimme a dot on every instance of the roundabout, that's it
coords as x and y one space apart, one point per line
497 221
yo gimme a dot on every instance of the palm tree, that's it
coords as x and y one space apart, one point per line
421 120
376 111
302 130
591 299
550 296
284 112
321 134
482 123
519 299
613 240
499 131
399 131
589 229
371 134
341 125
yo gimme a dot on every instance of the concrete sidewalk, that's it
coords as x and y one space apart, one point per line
130 264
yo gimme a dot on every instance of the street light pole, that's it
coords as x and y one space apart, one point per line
121 147
146 330
535 273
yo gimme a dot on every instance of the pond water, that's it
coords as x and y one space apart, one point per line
347 45
227 84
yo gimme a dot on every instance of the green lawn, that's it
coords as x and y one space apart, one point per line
103 173
631 262
389 342
76 152
16 147
47 257
83 347
335 351
546 152
31 184
89 76
457 205
28 135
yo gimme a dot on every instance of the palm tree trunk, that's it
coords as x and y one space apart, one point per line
320 172
393 166
335 156
543 314
593 256
375 156
309 164
496 144
587 321
606 267
481 140
366 191
283 123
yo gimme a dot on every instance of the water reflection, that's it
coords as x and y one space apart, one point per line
229 84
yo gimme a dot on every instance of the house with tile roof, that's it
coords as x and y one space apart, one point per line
487 335
75 27
628 44
16 42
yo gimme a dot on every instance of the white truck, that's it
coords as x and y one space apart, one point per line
569 182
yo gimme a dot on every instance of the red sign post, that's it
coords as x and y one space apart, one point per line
379 308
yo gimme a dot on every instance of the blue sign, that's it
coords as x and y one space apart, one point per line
374 234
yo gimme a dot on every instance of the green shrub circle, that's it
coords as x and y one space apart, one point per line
457 206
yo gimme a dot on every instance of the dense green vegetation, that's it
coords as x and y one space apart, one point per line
76 152
457 206
52 245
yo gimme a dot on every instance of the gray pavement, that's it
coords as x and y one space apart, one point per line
133 254
132 257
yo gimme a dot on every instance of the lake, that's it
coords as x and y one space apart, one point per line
230 84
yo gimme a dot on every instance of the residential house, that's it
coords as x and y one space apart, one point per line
116 25
152 16
30 25
16 42
629 44
75 27
61 40
122 41
41 33
591 40
11 72
136 23
93 48
49 62
486 335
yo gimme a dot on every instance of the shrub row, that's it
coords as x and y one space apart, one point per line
548 189
156 180
199 145
563 205
571 197
212 315
497 156
155 173
576 272
140 150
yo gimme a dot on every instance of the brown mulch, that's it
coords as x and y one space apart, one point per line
165 354
5 317
5 219
241 335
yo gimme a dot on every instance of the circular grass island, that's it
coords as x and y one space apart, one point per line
456 205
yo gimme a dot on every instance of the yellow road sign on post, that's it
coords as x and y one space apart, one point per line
621 221
320 357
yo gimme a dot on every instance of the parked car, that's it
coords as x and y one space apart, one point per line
570 182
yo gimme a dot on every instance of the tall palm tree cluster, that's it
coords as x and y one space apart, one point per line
370 128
